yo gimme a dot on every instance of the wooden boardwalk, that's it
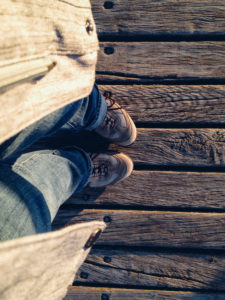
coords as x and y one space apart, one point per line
164 61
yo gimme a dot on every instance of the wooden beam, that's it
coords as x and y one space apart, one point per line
156 147
170 60
172 104
178 147
151 17
153 269
153 229
161 189
96 293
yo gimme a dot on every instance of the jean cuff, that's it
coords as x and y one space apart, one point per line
88 160
100 113
85 179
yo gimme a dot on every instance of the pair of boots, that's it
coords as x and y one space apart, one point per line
117 128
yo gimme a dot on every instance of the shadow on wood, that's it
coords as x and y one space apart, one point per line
88 141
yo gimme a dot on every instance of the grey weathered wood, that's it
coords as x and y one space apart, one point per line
169 60
132 17
154 269
92 293
178 147
174 104
160 189
145 228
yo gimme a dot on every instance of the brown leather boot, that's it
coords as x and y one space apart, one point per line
117 127
109 169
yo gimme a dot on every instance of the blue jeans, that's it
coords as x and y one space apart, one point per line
34 183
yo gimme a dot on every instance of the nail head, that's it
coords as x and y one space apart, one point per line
105 297
108 5
107 219
109 50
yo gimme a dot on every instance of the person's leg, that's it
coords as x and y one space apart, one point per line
35 185
87 113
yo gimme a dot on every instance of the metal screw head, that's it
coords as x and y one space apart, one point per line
108 5
89 27
105 297
107 219
109 50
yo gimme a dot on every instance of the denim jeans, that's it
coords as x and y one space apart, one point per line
34 183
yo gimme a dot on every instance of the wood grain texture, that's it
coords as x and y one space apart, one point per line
157 17
173 104
156 270
160 189
92 293
154 229
170 60
178 147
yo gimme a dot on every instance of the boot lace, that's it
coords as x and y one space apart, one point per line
109 121
99 170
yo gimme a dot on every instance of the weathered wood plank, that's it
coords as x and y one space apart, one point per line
92 293
178 147
161 189
151 269
169 60
158 229
162 147
173 104
156 17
